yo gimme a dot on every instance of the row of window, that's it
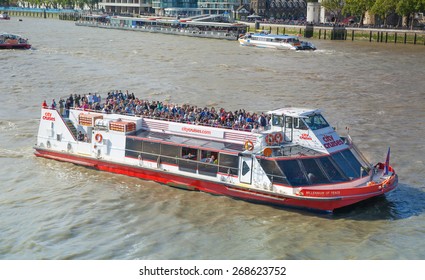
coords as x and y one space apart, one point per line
339 167
314 122
189 159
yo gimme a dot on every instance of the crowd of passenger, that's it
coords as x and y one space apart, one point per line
126 103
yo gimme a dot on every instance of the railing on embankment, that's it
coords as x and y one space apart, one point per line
397 36
40 13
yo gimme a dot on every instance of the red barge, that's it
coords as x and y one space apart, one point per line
297 160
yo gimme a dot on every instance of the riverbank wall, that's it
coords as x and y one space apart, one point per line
378 35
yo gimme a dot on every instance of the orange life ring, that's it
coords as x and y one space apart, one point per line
267 152
249 145
270 139
98 137
278 137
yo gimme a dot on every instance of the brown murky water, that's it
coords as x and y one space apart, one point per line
54 210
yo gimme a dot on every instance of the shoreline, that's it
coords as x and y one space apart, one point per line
340 33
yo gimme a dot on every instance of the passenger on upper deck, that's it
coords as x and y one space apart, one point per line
126 103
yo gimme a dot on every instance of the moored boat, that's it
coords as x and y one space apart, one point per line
4 16
282 42
13 41
192 27
290 156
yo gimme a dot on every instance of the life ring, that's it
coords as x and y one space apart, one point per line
278 137
267 152
98 137
270 139
249 145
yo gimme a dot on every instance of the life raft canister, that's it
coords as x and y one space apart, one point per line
278 137
270 139
98 137
249 145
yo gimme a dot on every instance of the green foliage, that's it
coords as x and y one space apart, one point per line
334 6
357 7
384 7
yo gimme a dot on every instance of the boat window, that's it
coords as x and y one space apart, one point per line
209 163
299 124
293 172
170 153
188 161
133 147
314 173
228 164
189 153
150 150
355 164
209 156
333 173
316 122
273 171
288 122
277 120
345 166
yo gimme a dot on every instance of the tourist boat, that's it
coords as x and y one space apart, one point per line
297 160
4 16
282 42
191 27
13 41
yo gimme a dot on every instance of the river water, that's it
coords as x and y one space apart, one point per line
54 210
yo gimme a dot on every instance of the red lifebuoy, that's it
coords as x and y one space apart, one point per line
98 137
249 145
278 137
270 139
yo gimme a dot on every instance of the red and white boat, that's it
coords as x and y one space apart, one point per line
297 160
13 41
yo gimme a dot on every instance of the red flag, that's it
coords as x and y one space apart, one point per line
387 162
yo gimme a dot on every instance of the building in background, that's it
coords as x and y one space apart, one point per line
126 7
280 9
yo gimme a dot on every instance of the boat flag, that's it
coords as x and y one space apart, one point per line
387 162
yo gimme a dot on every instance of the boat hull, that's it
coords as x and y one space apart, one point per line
15 46
301 200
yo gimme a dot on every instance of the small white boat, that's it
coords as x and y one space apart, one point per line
281 42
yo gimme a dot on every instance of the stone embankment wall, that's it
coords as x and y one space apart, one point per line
397 36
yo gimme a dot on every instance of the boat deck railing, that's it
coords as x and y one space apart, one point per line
167 120
164 29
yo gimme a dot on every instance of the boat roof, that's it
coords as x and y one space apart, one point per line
295 112
190 142
9 34
265 34
288 150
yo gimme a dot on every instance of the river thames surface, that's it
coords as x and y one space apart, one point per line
55 210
